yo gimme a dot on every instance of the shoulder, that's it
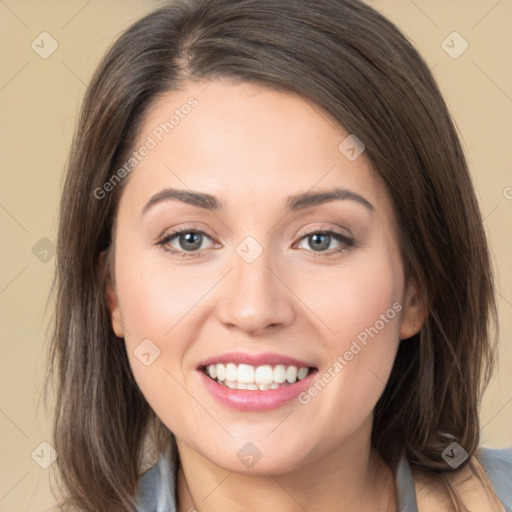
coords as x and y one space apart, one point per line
469 482
149 486
497 463
156 487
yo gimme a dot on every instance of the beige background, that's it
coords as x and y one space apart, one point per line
39 100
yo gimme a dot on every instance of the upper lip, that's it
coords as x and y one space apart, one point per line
269 358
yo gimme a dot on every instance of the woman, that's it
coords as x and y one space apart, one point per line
272 270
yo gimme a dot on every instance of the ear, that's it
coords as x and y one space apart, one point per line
111 298
414 312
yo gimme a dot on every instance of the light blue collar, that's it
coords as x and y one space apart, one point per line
157 491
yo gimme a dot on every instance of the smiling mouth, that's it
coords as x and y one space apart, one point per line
256 378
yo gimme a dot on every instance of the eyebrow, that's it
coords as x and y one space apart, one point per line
294 203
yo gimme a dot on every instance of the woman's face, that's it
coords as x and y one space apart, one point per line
265 267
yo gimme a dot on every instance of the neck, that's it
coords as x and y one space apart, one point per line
348 478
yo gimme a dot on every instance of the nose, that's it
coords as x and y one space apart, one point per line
255 298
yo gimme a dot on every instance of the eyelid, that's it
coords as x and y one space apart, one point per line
347 242
165 239
305 232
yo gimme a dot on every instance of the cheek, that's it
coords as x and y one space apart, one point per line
351 298
156 295
157 308
361 306
165 303
341 306
157 311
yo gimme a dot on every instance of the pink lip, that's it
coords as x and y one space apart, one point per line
254 360
247 400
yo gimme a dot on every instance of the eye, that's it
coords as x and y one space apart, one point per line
188 242
184 240
326 241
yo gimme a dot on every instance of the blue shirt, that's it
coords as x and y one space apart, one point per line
157 484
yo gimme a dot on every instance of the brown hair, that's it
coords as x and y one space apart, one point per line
353 63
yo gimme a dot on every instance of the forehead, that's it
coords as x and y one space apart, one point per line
225 138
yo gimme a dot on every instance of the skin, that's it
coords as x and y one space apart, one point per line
253 147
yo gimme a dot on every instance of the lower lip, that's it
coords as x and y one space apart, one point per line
248 400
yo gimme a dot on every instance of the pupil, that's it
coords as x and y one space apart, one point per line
318 243
192 239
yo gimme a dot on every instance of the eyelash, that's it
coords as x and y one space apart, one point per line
347 241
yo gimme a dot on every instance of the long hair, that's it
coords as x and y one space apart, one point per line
356 66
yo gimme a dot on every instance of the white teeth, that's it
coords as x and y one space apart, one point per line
280 373
302 373
245 376
212 371
221 372
264 375
291 374
231 372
